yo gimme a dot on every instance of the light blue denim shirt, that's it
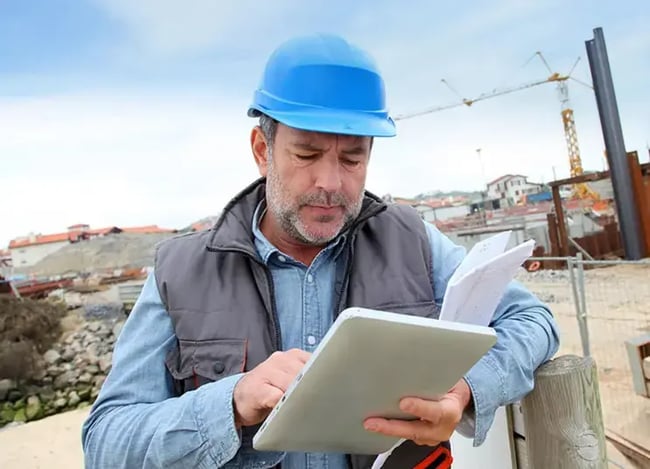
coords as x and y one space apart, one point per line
137 422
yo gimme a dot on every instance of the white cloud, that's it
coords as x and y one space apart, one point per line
115 160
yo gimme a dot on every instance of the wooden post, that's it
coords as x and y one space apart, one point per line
643 207
561 222
553 240
563 416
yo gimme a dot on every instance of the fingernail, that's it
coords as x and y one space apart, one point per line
371 427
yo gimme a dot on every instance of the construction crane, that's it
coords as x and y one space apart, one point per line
580 190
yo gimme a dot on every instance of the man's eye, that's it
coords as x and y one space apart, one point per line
306 157
351 162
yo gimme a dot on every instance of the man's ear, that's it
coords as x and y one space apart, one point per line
260 150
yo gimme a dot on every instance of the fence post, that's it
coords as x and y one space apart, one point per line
575 267
584 329
563 416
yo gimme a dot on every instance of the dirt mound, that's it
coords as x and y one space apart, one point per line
116 251
27 329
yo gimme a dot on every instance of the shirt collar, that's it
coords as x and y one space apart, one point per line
264 247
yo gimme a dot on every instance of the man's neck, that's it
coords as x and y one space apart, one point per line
301 252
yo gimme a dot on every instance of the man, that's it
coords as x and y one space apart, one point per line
229 316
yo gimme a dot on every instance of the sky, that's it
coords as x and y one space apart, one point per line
120 112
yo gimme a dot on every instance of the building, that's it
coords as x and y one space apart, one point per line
434 210
510 189
27 251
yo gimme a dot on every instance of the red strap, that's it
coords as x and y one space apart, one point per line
444 463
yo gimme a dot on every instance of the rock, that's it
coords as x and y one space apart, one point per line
117 328
99 381
94 394
64 380
14 395
19 404
40 374
83 405
105 363
20 416
60 403
92 369
84 393
73 399
68 354
47 394
54 371
6 415
6 385
85 378
103 311
52 357
93 326
34 409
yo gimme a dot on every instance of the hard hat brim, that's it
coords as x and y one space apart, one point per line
340 122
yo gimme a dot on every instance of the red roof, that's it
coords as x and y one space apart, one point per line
72 236
44 239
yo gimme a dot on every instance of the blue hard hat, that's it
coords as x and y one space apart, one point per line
323 83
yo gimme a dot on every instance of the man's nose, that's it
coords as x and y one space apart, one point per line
328 175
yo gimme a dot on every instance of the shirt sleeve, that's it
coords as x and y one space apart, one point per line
136 420
527 336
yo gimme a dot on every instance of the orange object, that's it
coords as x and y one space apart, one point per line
441 457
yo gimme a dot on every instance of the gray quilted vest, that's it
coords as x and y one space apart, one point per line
219 294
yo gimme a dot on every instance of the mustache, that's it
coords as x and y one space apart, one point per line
324 198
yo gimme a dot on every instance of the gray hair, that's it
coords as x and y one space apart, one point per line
269 128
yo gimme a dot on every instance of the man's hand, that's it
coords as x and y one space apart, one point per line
260 389
438 419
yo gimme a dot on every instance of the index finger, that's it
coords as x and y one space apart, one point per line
301 355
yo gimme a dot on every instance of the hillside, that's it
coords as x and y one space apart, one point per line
123 250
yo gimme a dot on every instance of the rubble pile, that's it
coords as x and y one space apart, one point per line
70 375
126 250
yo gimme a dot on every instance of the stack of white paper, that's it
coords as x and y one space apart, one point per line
479 282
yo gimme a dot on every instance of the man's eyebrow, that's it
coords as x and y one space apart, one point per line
306 146
358 150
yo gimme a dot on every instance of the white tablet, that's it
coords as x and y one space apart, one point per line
365 364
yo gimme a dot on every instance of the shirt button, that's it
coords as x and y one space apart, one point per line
311 340
310 278
282 259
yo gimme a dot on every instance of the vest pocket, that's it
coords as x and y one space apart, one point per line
194 363
427 309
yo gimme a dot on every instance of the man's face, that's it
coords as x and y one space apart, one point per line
315 182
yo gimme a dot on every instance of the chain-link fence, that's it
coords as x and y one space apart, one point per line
603 310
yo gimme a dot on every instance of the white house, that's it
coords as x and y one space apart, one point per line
28 250
510 189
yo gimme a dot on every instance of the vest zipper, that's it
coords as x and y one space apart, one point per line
274 314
